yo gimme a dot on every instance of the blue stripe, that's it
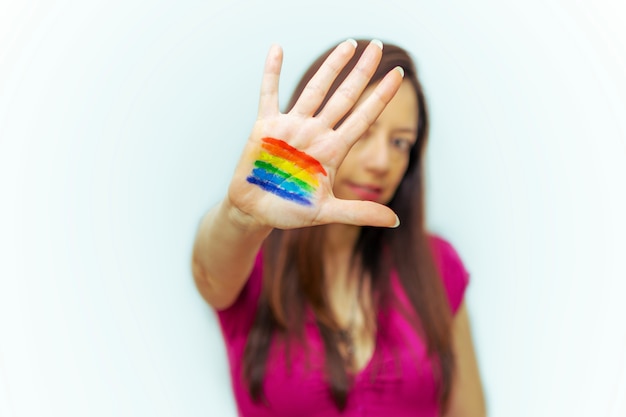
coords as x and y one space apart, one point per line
281 182
274 189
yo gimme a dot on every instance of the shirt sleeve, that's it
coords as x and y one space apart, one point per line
236 320
453 273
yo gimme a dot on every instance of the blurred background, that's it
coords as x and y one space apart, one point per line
120 125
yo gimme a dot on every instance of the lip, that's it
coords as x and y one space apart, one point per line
366 191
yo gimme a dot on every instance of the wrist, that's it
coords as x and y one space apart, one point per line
242 221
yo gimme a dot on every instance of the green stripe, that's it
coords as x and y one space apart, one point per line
288 177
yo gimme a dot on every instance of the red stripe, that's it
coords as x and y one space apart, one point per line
284 150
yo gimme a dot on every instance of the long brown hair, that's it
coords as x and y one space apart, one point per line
293 272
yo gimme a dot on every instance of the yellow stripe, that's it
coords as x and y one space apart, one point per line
290 168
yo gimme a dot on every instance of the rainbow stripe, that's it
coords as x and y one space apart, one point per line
286 172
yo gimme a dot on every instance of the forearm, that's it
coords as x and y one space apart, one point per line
223 255
467 398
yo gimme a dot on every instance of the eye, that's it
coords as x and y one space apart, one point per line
402 144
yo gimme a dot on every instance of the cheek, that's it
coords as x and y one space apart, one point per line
346 166
399 170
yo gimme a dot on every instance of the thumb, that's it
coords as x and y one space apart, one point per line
359 213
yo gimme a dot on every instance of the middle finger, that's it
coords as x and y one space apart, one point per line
352 87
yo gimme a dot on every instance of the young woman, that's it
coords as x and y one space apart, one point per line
332 297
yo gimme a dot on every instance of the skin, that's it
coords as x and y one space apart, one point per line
467 398
377 162
366 156
231 233
379 159
372 170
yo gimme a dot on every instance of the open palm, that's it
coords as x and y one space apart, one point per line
285 176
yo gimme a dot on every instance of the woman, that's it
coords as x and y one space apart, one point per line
333 299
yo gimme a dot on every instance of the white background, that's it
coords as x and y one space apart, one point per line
121 121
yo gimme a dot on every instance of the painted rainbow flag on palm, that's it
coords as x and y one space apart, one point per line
286 172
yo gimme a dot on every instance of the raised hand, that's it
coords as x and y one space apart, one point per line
285 176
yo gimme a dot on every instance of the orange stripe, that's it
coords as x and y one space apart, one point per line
284 150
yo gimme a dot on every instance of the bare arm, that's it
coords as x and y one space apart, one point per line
280 150
467 398
223 254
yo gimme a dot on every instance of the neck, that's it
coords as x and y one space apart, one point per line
338 247
340 238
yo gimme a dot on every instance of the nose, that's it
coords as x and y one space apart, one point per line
376 155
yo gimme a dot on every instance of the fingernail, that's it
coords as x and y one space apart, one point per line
397 222
377 43
352 41
400 70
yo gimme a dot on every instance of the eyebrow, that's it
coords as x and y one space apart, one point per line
400 129
406 130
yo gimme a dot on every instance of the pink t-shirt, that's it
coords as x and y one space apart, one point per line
398 380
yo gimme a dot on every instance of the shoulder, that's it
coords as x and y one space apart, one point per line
451 268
